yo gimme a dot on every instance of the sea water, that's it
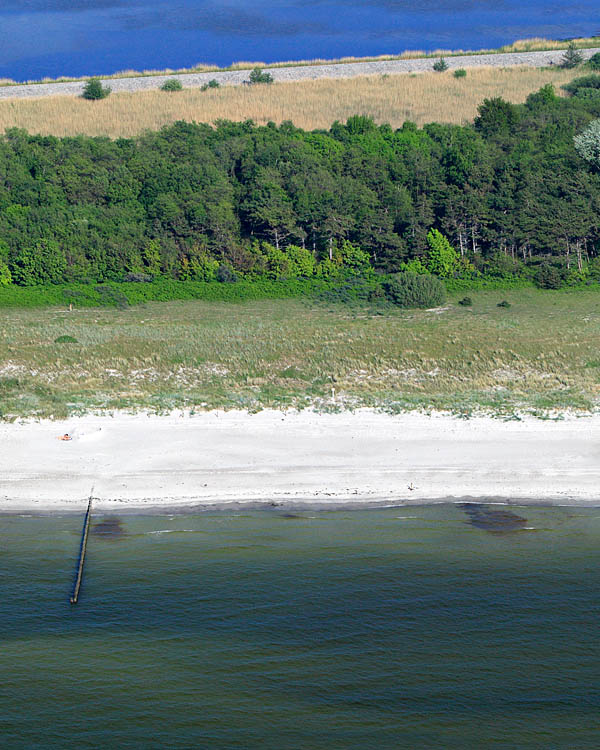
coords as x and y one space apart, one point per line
415 627
84 37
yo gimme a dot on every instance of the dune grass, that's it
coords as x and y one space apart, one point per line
422 98
537 355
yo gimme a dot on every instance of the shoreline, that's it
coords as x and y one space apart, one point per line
295 461
531 44
290 74
287 509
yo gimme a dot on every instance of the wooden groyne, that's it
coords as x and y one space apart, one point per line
82 551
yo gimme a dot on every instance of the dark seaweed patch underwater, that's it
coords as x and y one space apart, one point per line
110 527
493 520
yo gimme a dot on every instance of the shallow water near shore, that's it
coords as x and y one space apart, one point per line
432 626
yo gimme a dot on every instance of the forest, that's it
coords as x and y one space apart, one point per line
513 195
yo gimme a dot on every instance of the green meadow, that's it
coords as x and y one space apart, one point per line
537 355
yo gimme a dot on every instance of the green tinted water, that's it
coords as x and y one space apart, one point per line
427 627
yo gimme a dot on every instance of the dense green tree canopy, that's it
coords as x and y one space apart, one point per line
277 201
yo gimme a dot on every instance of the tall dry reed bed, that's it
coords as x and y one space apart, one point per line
422 98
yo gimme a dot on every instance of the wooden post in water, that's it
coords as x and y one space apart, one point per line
82 549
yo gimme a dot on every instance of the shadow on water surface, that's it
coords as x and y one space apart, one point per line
109 528
492 520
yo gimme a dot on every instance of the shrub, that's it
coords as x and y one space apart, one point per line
545 97
485 282
66 340
110 296
440 65
588 95
504 303
39 262
465 302
572 57
577 85
198 267
548 276
121 294
502 266
138 278
460 73
225 274
278 264
352 291
594 62
301 260
414 290
212 84
414 265
94 89
80 296
354 259
594 269
496 116
259 76
377 295
172 84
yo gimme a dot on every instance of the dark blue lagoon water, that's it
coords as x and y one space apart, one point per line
80 37
430 627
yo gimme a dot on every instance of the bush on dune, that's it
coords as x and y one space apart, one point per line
594 62
572 57
259 76
414 290
94 89
172 84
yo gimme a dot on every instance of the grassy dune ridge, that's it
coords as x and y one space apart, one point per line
422 98
540 354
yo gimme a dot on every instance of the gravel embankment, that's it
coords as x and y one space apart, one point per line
297 73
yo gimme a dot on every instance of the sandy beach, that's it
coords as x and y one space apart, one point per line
133 462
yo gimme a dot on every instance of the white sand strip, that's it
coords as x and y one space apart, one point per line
218 457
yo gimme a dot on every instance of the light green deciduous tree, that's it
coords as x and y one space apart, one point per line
442 259
587 143
5 274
